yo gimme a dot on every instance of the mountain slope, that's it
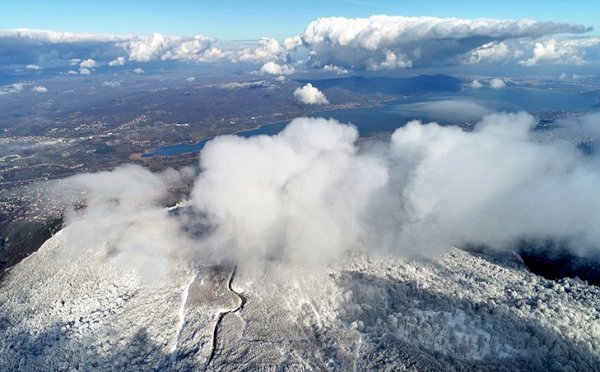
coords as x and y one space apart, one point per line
61 310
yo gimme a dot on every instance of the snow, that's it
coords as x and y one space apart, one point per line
464 310
181 316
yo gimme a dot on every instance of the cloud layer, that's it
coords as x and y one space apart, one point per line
56 48
390 42
336 44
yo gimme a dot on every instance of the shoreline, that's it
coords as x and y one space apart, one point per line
143 155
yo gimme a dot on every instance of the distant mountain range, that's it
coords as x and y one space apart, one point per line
413 85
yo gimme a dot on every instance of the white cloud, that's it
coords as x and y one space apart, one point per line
33 67
157 46
119 61
72 72
309 194
211 54
119 206
190 79
39 89
57 37
52 45
111 84
374 43
86 66
244 85
337 69
490 53
138 70
297 214
273 68
268 49
310 95
12 88
292 43
384 42
475 84
88 63
497 83
561 51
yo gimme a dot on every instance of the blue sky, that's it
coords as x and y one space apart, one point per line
245 19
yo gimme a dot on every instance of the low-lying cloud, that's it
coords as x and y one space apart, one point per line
310 95
497 83
447 110
272 68
39 89
310 194
124 218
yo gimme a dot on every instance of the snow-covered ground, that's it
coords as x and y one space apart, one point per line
61 311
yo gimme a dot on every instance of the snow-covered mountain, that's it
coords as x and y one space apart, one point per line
465 311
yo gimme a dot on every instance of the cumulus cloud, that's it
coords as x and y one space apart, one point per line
562 51
268 49
493 52
301 212
373 43
33 67
39 89
27 46
387 42
309 194
111 84
273 68
497 83
88 63
85 71
138 70
119 61
157 46
475 84
337 69
11 88
31 46
292 43
310 95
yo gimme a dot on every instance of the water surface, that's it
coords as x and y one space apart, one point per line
394 114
